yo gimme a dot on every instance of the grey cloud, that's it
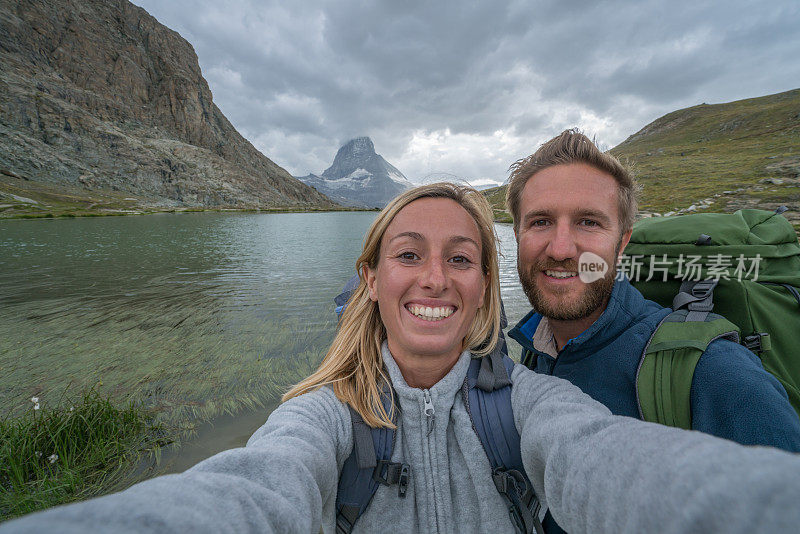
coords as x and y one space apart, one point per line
301 78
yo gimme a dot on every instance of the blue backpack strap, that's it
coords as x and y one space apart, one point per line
487 396
368 466
342 298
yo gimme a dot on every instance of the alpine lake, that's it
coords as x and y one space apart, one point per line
204 318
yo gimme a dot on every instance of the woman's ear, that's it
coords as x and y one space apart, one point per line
369 277
485 289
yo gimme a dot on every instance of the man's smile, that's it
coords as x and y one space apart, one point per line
561 274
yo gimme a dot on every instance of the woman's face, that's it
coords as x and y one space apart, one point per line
428 282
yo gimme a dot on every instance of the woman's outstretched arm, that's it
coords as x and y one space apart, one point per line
282 481
603 473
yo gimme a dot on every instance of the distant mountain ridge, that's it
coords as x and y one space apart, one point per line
359 176
719 157
97 95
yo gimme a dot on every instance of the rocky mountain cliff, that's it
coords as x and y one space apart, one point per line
359 177
97 95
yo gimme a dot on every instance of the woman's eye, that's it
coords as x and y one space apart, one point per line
463 260
408 256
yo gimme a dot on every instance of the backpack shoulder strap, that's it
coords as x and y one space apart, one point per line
487 397
368 466
667 364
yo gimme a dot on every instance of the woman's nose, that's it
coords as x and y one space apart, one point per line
433 276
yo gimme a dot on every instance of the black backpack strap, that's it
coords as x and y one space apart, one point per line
697 296
487 397
368 466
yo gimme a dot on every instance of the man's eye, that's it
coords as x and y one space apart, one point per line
589 222
539 222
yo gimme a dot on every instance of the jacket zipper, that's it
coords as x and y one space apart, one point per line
429 411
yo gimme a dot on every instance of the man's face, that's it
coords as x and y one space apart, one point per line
567 210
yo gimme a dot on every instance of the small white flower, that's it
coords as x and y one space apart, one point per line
38 454
72 408
53 458
35 400
36 406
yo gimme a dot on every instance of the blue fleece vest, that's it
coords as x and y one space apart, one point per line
732 396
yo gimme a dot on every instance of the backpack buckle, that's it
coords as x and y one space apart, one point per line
697 297
758 342
402 483
396 473
701 289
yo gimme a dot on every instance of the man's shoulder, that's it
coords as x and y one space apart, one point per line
635 305
726 357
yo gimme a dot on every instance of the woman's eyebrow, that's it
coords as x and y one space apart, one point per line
458 239
413 235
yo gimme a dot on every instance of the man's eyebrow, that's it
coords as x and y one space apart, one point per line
594 214
413 235
535 213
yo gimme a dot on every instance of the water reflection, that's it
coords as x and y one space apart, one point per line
195 313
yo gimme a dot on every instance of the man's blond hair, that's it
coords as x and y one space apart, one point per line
571 146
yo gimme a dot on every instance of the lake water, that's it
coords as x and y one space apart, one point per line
196 314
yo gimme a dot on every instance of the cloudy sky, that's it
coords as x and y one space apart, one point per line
466 88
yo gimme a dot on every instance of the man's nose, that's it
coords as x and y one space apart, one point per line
433 276
562 244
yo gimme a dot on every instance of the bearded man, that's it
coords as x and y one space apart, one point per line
570 202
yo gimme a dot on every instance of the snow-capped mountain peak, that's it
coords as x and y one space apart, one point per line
359 176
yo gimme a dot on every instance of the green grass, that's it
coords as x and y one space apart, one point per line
75 450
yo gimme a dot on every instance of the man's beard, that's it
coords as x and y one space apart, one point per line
595 295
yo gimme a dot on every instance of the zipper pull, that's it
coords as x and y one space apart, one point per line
429 412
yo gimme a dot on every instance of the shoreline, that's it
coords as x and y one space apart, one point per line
223 432
70 214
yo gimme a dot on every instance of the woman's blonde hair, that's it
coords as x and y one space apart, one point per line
353 366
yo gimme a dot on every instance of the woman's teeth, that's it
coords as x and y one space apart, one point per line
431 314
561 274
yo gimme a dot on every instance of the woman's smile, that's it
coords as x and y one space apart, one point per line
436 313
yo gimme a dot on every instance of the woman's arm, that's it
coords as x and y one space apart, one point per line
279 482
606 473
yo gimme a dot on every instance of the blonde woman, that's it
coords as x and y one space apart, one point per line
427 304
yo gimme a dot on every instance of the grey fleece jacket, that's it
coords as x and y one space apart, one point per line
597 472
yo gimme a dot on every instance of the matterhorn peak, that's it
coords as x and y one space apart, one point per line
359 176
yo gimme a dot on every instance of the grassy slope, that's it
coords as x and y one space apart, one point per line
695 153
497 198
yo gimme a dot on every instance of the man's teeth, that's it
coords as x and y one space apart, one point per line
431 314
561 274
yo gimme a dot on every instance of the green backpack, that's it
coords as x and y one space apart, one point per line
746 267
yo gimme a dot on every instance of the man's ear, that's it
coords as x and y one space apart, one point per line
369 276
626 237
